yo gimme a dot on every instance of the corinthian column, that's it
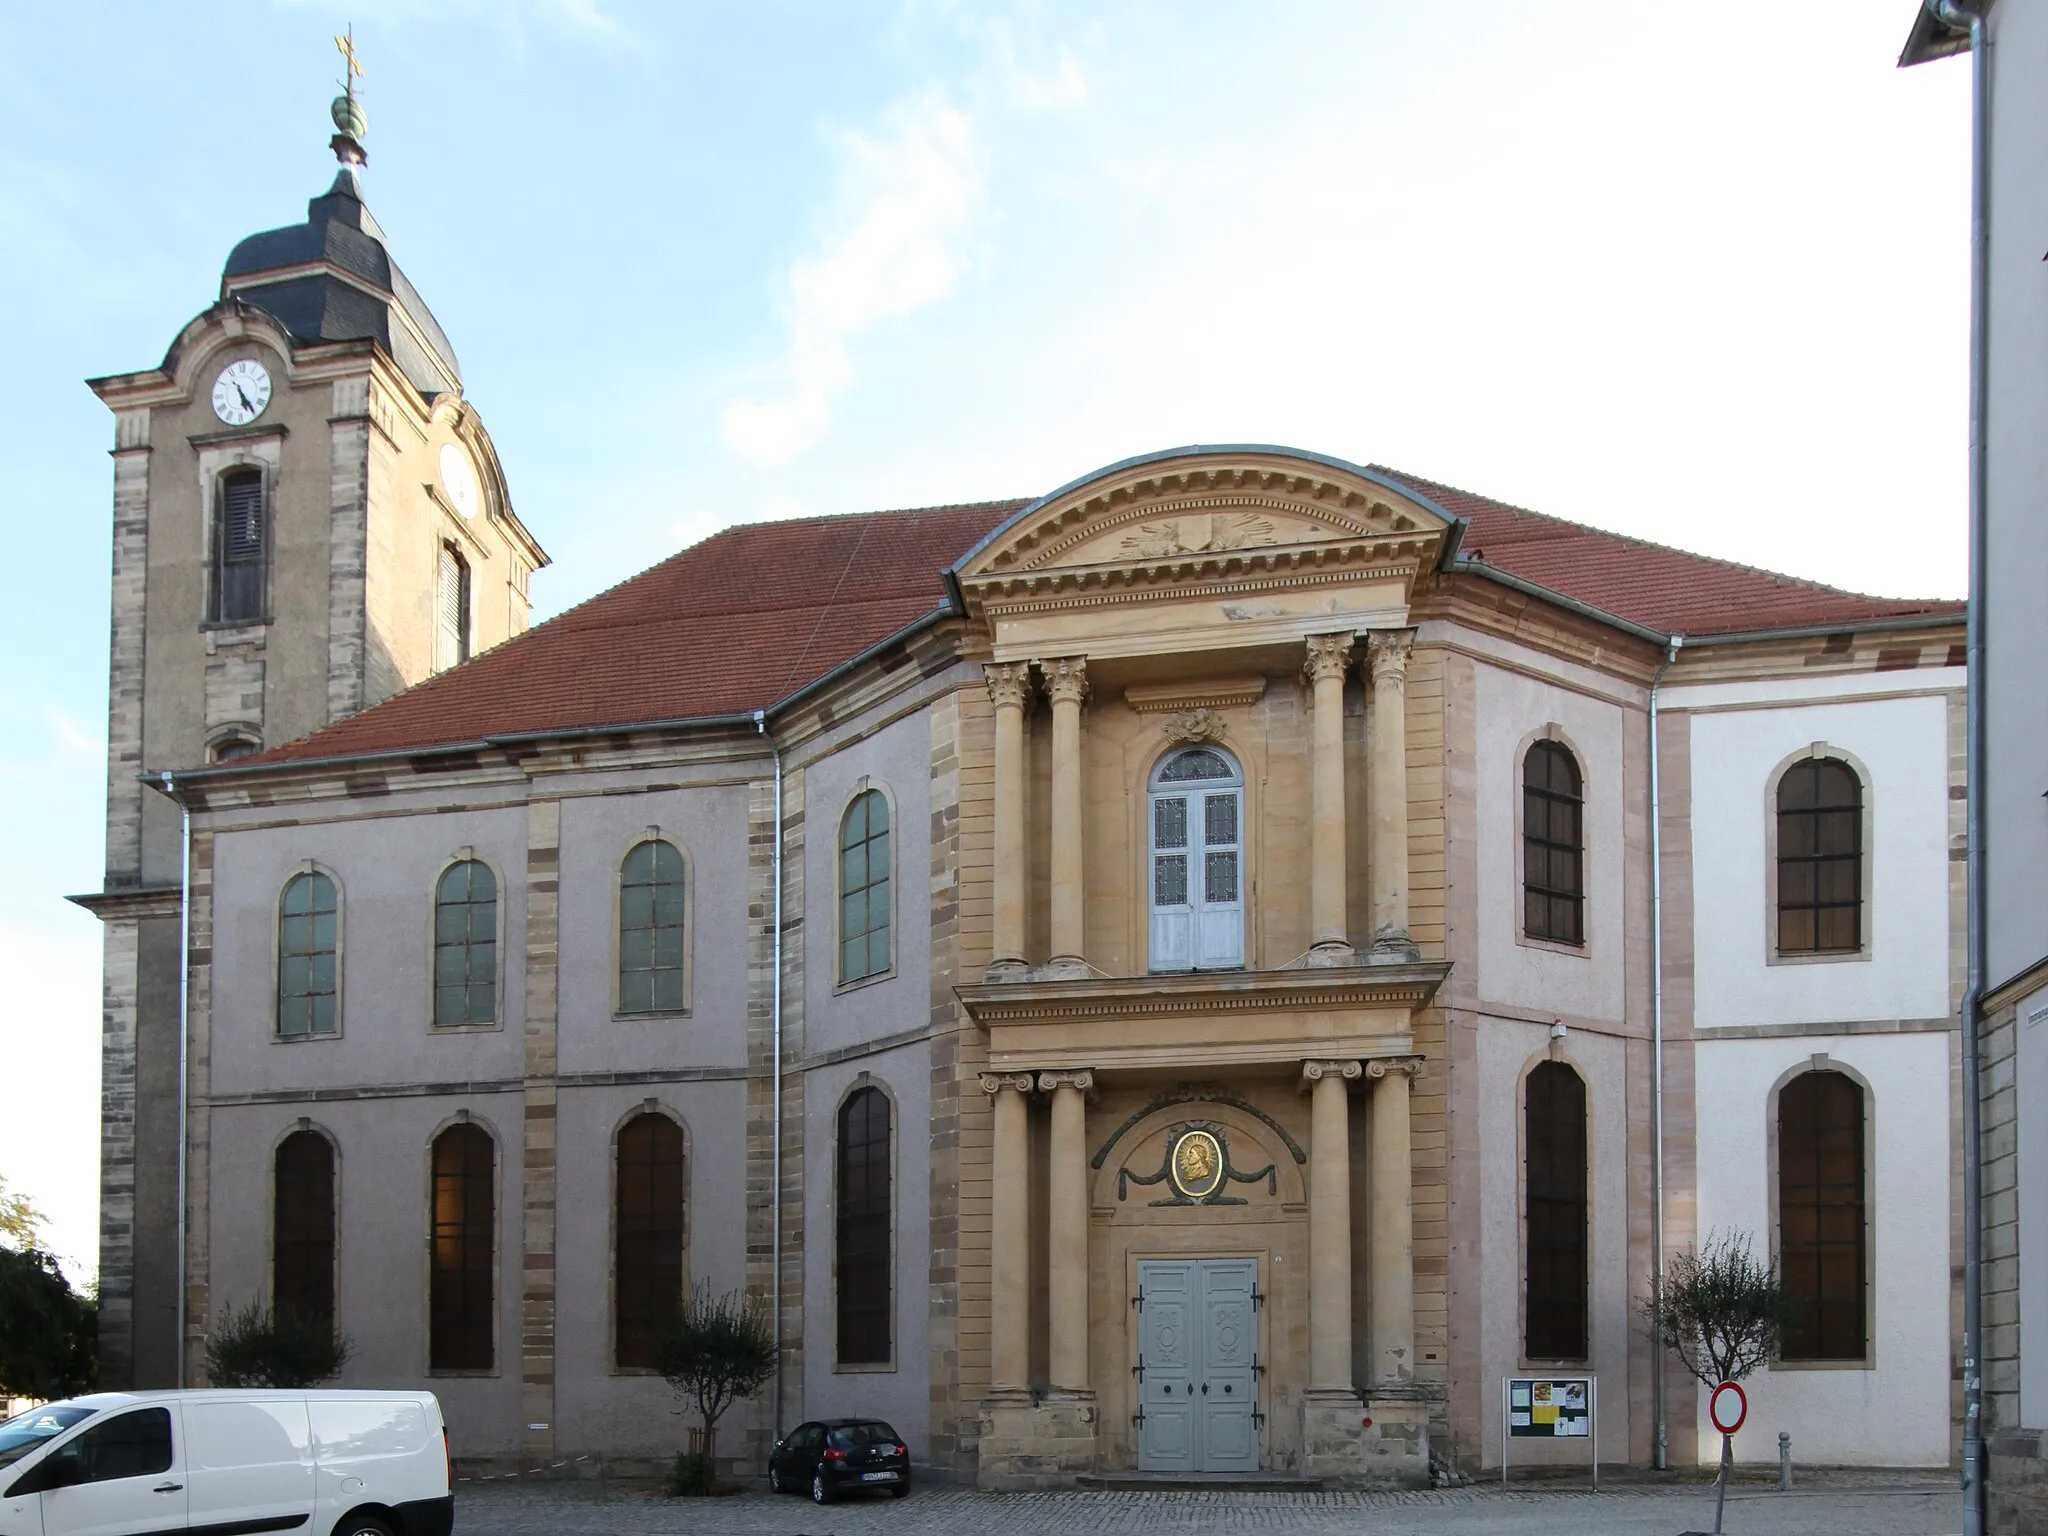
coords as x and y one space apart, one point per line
1330 941
1067 1237
1066 681
1009 1242
1329 1224
1391 1304
1008 685
1388 653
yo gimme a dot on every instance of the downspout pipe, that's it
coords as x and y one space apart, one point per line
1660 1450
1954 16
168 784
775 1080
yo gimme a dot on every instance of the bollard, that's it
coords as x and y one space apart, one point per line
1784 1462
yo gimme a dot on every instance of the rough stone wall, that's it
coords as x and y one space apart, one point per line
348 546
537 1183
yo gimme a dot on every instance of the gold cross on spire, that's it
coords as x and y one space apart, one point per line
346 44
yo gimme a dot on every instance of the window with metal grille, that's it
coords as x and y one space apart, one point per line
462 1288
864 886
466 945
1821 1216
302 1227
1820 858
1553 845
239 546
1197 806
865 1312
451 610
308 951
1554 1186
648 1223
651 936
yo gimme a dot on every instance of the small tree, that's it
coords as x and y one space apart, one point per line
719 1349
1724 1311
21 1224
256 1346
49 1333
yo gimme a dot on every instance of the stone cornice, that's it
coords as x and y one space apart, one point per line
1223 693
1232 573
130 902
1098 997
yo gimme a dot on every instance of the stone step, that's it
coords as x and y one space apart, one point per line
1233 1482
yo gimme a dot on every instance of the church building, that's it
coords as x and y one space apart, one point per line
1217 968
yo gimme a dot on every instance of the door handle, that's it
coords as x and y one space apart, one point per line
1205 1389
167 1487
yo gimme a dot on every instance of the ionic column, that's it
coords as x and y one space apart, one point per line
1009 1242
1388 653
1391 1303
1329 1224
1066 681
1067 1237
1329 937
1009 683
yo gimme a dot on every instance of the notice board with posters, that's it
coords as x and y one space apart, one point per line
1550 1408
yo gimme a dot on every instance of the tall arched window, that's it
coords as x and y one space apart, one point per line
239 544
466 945
651 947
308 951
462 1286
648 1223
1553 845
1554 1185
1821 1215
1197 813
864 867
302 1227
865 1310
1820 858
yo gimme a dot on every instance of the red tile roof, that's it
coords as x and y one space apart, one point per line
749 616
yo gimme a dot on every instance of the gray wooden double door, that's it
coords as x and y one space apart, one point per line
1198 1338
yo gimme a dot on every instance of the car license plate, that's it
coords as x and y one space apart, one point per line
878 1477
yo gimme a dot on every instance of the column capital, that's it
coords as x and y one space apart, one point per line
1328 656
993 1083
1009 683
1066 678
1409 1067
1082 1078
1313 1072
1386 652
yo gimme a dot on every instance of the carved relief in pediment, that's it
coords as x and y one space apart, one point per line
1198 533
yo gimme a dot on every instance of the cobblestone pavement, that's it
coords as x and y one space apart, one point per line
597 1509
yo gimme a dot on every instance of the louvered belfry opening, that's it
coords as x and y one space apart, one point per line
1554 1183
462 1292
302 1227
1821 1230
451 610
863 1229
240 547
648 1275
1553 845
1820 858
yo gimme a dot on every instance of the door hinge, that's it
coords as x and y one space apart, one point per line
1138 1301
1138 1370
1257 1369
1258 1296
1138 1418
1258 1418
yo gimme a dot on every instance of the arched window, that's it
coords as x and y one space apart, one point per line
231 747
1553 845
1821 1215
466 945
1554 1185
1197 811
651 948
239 546
1820 858
462 1286
864 867
648 1222
865 1312
308 948
451 610
302 1227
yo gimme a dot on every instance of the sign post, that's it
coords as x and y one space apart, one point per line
1727 1406
1549 1408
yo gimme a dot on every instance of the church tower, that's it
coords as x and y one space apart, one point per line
308 517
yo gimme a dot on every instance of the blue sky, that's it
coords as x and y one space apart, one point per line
1667 269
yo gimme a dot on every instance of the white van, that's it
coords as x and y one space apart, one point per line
228 1463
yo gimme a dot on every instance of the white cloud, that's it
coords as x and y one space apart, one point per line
1061 91
906 203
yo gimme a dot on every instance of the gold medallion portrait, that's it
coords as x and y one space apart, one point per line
1197 1164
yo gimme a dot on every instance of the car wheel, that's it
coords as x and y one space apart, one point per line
900 1491
360 1525
775 1480
820 1494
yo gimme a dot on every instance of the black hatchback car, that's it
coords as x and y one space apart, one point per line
828 1457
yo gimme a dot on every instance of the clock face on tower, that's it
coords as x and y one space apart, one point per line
241 392
458 479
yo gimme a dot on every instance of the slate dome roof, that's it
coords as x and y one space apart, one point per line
360 294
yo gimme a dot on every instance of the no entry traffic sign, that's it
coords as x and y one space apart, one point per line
1728 1407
